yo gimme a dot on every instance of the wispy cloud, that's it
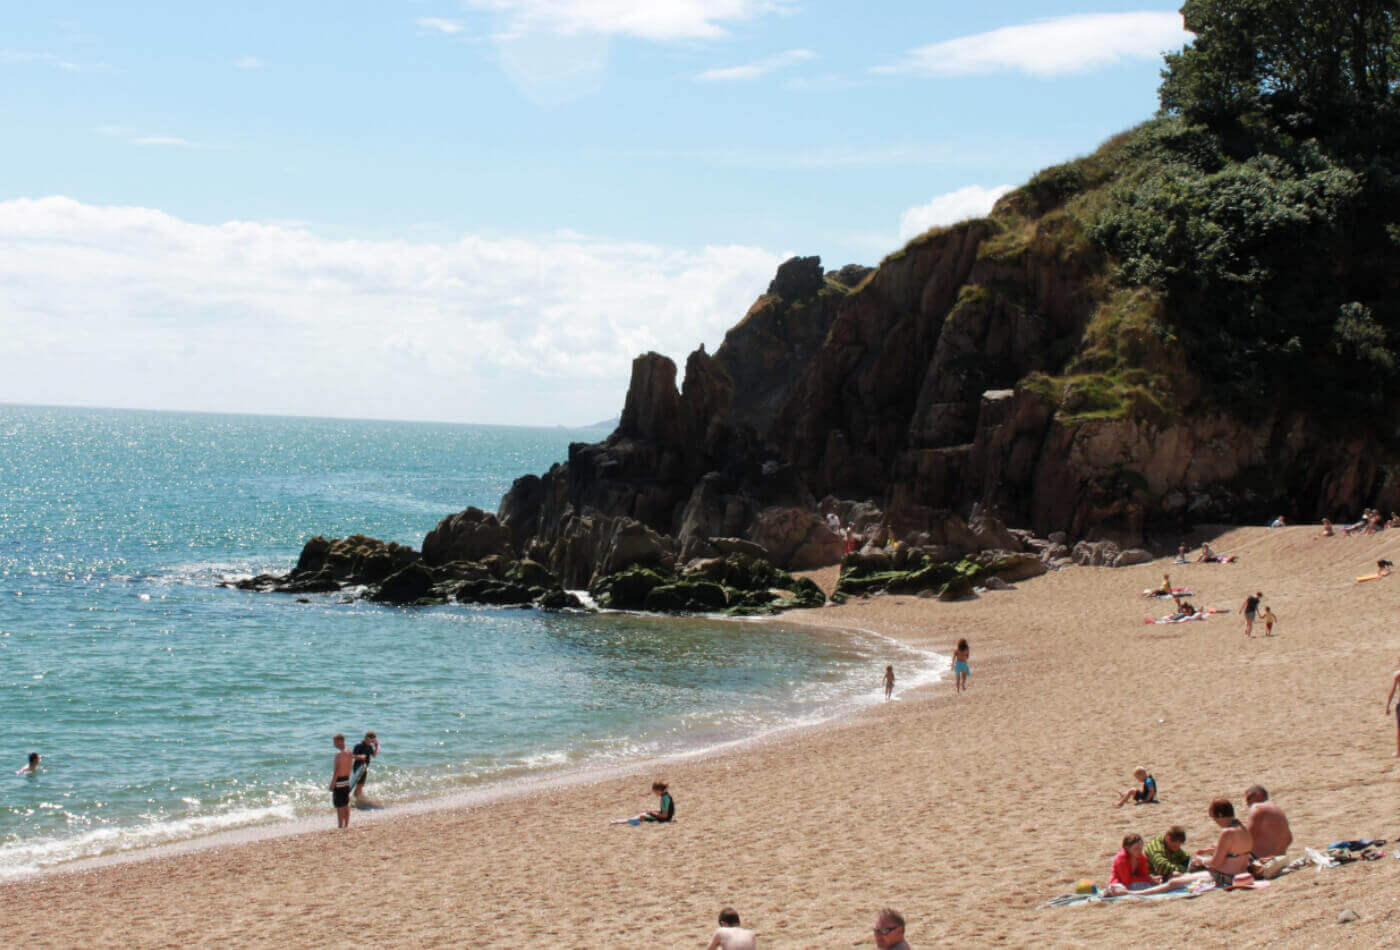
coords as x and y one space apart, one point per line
440 24
123 303
645 19
13 57
138 138
974 201
1050 47
248 62
758 68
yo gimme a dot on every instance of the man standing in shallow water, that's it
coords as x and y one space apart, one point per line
340 781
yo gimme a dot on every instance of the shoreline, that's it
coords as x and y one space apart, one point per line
965 812
498 790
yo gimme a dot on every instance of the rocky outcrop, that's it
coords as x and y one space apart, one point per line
469 535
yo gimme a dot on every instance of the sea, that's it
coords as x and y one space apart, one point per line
168 709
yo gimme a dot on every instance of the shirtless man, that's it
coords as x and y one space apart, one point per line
1394 687
340 781
730 936
1269 826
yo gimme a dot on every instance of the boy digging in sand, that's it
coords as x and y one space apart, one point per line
1140 796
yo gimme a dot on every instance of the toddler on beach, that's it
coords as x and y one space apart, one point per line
889 681
960 666
1140 796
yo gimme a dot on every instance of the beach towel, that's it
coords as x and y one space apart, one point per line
1176 618
1370 577
1222 559
1176 592
1078 900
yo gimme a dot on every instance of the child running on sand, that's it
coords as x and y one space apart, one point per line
1144 795
960 666
889 681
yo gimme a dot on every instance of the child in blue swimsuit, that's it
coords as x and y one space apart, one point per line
960 666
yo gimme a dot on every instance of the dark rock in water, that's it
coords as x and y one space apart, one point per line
496 592
469 535
406 586
625 590
531 574
696 596
558 599
798 278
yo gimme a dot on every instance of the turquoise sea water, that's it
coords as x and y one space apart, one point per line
167 707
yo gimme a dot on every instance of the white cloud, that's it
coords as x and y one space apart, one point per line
171 140
125 306
759 68
1051 47
645 19
248 62
440 24
974 201
12 57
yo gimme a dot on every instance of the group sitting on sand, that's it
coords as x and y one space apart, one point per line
1244 851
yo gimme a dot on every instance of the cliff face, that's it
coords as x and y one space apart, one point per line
1003 365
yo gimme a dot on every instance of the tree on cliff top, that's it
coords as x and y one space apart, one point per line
1324 68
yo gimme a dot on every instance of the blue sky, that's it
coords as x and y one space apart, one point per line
260 208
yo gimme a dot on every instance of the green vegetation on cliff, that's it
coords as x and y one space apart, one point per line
1242 248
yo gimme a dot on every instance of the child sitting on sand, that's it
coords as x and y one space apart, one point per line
665 810
1144 795
960 666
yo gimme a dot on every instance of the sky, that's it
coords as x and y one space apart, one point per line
483 210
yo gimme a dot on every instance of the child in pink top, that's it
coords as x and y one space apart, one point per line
1130 871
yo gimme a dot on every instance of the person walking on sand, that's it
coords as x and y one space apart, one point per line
1250 608
1269 618
340 781
960 666
889 931
730 936
889 681
1394 687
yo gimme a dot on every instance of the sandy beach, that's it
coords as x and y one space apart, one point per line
965 812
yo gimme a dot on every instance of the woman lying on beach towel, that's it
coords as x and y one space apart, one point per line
665 810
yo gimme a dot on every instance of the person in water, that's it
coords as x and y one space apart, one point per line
889 681
663 812
1140 796
341 768
366 749
960 666
32 767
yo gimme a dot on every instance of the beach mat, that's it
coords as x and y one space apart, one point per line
1078 900
1369 577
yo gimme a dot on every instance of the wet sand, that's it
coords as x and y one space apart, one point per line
964 812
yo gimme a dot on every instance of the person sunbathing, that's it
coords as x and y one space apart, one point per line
1165 589
1207 554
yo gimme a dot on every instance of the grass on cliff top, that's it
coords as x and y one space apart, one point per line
1088 397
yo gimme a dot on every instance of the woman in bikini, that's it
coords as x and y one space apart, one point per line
1232 850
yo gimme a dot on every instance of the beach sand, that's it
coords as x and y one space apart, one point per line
966 812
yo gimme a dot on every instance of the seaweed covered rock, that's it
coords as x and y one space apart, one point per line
687 596
406 586
558 599
625 590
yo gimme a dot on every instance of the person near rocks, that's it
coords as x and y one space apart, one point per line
31 767
1269 618
731 936
1140 795
1394 687
889 681
1181 555
850 544
1268 825
960 667
664 811
1250 609
366 749
1233 849
1327 531
1278 522
889 930
341 768
1166 854
1206 553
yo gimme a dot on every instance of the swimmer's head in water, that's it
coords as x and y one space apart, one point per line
33 758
